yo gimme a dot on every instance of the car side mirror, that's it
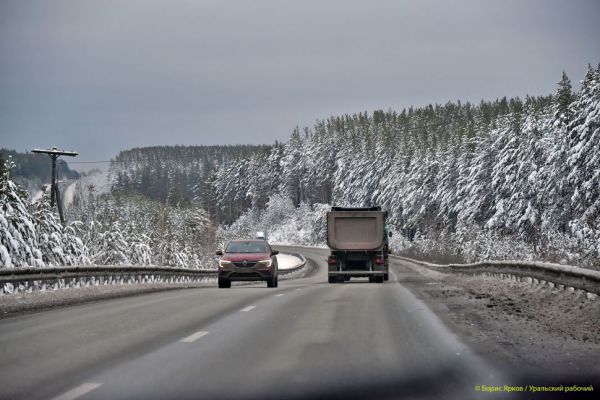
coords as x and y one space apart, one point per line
390 234
219 252
274 252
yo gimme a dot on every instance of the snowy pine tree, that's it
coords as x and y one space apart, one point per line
18 245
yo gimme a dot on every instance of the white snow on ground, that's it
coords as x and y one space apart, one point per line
69 194
69 188
288 261
38 195
79 187
99 179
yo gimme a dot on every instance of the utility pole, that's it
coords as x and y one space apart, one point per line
54 192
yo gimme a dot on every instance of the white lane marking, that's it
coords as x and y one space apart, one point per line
249 308
297 290
194 337
279 295
78 391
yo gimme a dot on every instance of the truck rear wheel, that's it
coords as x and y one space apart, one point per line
379 279
386 277
332 279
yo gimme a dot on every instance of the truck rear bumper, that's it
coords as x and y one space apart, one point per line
356 273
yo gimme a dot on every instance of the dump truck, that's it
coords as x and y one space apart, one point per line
358 239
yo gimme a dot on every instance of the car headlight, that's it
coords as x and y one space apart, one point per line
224 263
265 263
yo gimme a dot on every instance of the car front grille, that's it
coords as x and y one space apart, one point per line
241 264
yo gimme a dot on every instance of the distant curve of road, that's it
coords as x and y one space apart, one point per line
305 339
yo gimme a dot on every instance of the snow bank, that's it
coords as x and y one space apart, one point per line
288 261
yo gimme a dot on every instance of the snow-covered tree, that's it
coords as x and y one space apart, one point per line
18 245
31 235
474 181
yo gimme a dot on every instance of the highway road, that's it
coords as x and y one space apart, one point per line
305 339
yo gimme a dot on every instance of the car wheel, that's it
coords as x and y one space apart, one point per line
224 283
276 283
271 282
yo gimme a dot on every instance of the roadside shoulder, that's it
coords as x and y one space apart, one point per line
15 304
513 323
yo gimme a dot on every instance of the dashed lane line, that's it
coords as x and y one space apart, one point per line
194 337
279 295
78 391
249 308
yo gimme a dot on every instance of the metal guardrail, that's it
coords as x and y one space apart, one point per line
36 274
30 279
558 276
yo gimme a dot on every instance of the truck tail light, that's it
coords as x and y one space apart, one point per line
379 261
332 261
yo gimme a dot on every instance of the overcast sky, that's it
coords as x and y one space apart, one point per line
102 76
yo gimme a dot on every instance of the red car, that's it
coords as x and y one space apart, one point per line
247 260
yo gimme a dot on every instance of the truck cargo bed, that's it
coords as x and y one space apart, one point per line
355 230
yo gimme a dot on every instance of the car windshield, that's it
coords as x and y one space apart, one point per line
246 247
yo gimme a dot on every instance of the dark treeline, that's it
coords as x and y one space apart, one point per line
175 174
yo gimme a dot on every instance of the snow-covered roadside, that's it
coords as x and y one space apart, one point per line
69 194
95 179
552 275
40 300
38 194
288 261
515 323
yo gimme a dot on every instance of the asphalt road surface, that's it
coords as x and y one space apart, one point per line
305 339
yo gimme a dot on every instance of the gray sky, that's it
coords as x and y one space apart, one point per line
101 76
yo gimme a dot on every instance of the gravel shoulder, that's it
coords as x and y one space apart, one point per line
533 329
